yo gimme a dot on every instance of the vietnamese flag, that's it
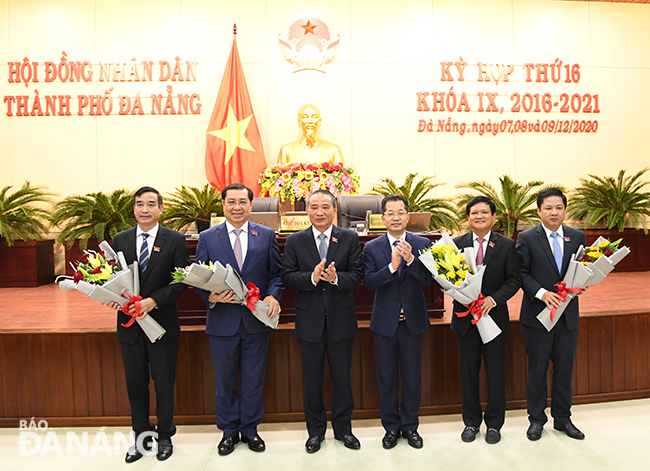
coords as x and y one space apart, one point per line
234 152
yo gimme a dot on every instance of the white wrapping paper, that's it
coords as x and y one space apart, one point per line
468 291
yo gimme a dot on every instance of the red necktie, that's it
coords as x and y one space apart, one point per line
479 254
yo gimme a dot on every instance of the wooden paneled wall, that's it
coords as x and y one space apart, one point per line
77 378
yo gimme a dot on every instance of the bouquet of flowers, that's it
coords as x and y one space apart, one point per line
587 267
214 277
460 278
104 277
293 181
94 268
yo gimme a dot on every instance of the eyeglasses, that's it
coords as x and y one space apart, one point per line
392 214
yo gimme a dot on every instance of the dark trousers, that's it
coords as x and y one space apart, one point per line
339 357
471 348
559 346
243 353
161 358
400 353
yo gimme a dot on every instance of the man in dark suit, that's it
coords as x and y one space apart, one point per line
544 252
501 280
158 251
324 263
399 320
238 340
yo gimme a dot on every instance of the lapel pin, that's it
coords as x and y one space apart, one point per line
491 244
567 239
156 249
254 232
335 240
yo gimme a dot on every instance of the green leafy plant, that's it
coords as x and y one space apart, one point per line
515 201
614 201
416 193
20 215
190 204
95 215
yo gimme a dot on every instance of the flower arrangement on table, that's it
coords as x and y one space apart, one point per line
294 181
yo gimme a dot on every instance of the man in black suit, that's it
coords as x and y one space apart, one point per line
544 252
501 280
324 263
158 251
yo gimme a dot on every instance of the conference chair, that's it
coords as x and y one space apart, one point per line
266 205
352 209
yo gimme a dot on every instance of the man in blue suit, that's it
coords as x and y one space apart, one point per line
238 340
399 319
544 253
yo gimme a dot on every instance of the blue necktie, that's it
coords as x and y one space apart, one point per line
557 251
144 253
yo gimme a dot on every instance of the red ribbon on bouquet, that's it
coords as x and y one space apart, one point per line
563 291
475 308
253 296
133 300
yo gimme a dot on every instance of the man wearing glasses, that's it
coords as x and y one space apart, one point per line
399 320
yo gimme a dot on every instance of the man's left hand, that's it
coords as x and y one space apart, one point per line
487 306
274 306
146 306
329 274
405 251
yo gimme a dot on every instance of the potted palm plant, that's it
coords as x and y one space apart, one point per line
91 218
29 261
616 207
515 201
417 194
189 205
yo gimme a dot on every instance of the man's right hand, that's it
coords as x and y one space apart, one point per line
395 259
318 271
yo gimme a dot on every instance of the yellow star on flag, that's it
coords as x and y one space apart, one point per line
233 134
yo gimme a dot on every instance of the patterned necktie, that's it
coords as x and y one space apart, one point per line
479 253
322 246
557 251
239 256
144 253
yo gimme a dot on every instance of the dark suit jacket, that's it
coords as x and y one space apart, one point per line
538 270
312 302
261 266
169 252
393 294
501 280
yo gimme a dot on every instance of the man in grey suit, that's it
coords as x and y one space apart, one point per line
544 253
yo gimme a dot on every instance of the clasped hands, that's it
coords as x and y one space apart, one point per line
402 251
228 296
326 274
